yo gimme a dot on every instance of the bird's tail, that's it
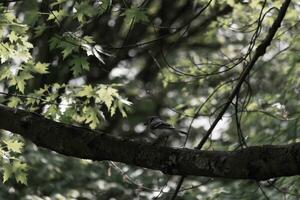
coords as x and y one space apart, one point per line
182 132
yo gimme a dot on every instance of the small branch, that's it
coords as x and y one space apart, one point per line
260 51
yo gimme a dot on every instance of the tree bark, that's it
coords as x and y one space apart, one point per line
256 162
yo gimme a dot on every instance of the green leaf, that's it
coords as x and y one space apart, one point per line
68 115
87 91
20 85
137 14
5 73
19 81
19 170
7 171
68 44
189 112
31 100
57 16
5 52
23 55
39 30
25 42
41 68
12 37
14 102
19 166
14 145
2 153
122 109
84 10
21 177
88 39
124 101
57 2
91 116
54 42
66 52
113 109
79 64
68 47
52 111
25 75
106 94
103 6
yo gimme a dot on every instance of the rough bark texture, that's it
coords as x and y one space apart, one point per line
257 162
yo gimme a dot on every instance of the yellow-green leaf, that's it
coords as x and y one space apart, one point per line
14 145
41 68
87 91
14 102
12 37
106 94
91 115
21 177
19 170
7 171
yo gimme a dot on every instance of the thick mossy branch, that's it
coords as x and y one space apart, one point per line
259 162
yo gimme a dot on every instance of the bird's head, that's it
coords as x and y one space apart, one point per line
150 119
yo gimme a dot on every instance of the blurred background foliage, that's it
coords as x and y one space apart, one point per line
109 64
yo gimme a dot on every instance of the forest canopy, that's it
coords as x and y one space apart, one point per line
80 79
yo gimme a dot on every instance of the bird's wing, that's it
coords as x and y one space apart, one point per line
157 123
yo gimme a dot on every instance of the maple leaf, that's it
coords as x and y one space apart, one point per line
19 170
14 102
79 64
21 177
137 14
41 68
91 115
106 95
14 145
12 37
87 91
7 171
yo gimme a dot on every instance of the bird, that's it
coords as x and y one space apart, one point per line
161 128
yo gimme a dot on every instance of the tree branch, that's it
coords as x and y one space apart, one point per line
258 163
